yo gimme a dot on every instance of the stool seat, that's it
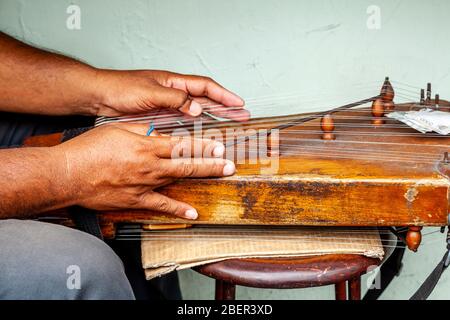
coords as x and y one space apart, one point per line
290 273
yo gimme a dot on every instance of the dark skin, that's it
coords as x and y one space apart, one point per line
113 166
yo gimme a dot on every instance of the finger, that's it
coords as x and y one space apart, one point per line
176 147
197 168
206 87
174 98
165 146
192 108
158 202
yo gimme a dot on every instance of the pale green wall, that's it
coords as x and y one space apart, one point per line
256 48
320 49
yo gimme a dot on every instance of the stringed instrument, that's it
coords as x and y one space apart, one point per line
349 166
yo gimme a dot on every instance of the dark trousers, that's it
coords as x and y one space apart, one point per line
14 128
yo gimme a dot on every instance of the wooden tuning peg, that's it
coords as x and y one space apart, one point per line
327 126
378 112
436 101
387 91
428 100
389 106
422 96
414 238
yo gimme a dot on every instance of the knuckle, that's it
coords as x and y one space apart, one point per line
135 197
180 147
134 202
181 98
163 172
141 148
187 169
208 146
205 141
207 79
217 167
176 141
162 204
149 146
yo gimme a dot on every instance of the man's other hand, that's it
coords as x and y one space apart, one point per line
118 167
141 91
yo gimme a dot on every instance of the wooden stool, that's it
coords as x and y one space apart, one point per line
290 273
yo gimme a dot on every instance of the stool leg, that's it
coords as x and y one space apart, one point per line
225 290
354 289
340 290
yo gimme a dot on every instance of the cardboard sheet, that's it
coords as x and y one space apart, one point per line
166 251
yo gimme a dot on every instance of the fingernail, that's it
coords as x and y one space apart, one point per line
191 214
241 101
195 108
238 100
229 169
218 151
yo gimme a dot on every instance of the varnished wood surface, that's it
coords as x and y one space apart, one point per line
323 183
326 185
289 273
49 140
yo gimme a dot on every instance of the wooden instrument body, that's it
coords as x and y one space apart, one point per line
379 183
374 173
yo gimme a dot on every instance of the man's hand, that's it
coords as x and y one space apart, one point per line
40 82
118 167
132 92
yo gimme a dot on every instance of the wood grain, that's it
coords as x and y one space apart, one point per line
370 175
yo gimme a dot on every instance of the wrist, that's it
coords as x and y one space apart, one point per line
64 182
92 81
103 84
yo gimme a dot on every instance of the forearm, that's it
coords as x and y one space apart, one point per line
40 82
33 180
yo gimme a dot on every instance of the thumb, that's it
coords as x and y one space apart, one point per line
164 97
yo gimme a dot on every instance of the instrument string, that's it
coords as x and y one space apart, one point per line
211 108
374 85
354 122
263 104
259 228
207 234
214 123
356 156
375 151
173 119
281 231
389 124
353 154
360 144
404 84
296 140
367 154
290 135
